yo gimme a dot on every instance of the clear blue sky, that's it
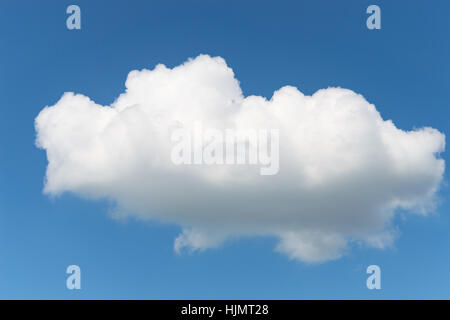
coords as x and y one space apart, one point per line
403 69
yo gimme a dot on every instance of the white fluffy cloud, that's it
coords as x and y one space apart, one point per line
344 171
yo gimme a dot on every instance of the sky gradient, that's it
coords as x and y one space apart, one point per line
403 69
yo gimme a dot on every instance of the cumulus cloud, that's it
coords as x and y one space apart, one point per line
343 171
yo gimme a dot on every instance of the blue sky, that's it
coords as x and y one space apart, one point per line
403 69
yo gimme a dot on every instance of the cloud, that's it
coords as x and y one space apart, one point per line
343 171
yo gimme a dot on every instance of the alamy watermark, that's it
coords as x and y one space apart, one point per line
227 147
73 21
74 280
374 20
374 280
